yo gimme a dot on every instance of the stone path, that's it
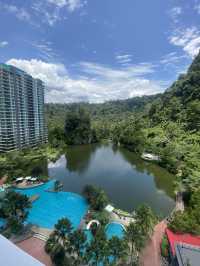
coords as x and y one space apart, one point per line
151 256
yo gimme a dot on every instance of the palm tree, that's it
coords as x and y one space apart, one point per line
58 255
78 243
14 207
58 243
117 249
135 238
145 217
62 230
98 250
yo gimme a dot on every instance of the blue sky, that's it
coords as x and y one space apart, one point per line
99 50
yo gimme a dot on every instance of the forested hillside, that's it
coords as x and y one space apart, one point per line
166 124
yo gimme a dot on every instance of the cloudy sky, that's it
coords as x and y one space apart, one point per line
99 50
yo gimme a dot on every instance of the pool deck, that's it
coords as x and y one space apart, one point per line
24 185
121 219
35 247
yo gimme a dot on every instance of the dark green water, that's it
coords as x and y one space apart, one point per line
128 180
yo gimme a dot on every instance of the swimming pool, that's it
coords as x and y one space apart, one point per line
111 229
50 207
115 229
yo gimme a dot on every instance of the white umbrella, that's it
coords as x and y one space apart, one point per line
33 179
19 179
28 178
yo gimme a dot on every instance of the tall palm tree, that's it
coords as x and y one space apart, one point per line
146 219
136 240
78 243
98 250
117 249
62 230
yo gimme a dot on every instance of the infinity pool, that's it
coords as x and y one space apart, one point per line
50 206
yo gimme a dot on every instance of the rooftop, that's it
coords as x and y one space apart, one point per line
187 254
12 255
181 238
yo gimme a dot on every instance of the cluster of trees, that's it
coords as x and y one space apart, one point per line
189 220
67 246
71 247
75 129
96 197
130 134
14 208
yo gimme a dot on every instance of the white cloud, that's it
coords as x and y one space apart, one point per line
197 8
46 11
124 59
20 13
175 12
45 50
188 39
3 44
59 3
75 4
71 5
96 83
172 58
53 11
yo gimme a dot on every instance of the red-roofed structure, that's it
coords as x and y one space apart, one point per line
181 238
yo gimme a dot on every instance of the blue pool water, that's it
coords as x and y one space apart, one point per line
50 207
114 229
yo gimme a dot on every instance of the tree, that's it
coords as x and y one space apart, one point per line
146 219
78 127
62 230
98 250
118 249
130 134
58 255
96 197
78 243
193 115
65 246
189 220
14 207
136 239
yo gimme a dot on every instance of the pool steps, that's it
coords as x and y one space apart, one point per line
41 236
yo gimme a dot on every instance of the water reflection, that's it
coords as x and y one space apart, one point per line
162 178
128 180
79 161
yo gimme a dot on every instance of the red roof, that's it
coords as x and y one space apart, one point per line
181 238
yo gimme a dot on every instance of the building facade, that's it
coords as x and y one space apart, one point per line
22 119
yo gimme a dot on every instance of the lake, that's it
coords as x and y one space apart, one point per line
128 180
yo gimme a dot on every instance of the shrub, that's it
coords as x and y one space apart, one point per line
165 247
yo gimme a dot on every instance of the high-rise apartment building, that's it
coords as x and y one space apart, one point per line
22 121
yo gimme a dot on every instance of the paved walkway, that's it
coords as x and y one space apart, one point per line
150 256
35 247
